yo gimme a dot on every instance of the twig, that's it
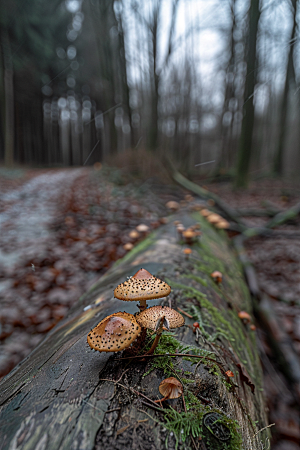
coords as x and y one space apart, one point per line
112 410
185 313
153 407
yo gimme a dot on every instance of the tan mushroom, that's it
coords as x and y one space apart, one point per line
128 246
217 276
214 218
134 234
187 252
170 388
246 318
174 206
142 228
156 317
140 287
222 225
205 212
190 236
114 333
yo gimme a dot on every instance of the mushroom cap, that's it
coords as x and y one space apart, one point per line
114 333
187 251
128 246
142 228
172 205
149 317
142 286
134 234
223 224
216 275
189 234
171 388
244 316
205 212
214 218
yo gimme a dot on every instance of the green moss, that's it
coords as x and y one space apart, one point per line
198 279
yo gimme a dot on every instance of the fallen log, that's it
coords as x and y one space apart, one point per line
65 396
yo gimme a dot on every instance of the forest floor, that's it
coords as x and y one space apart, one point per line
61 229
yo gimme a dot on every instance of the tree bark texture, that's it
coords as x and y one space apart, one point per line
66 396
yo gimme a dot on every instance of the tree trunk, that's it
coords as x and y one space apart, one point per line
9 101
64 396
245 144
289 79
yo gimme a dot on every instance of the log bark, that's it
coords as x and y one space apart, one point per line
64 396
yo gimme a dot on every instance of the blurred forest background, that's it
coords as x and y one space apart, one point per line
200 80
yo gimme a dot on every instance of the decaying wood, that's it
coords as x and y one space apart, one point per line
64 396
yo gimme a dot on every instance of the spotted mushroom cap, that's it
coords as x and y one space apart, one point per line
149 317
142 286
114 333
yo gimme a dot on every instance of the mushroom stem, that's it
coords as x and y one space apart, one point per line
157 337
143 305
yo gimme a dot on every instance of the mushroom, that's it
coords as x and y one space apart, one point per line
190 236
170 388
187 252
195 326
244 316
205 212
142 228
155 318
174 206
134 234
128 246
140 287
222 225
214 218
114 333
180 229
217 276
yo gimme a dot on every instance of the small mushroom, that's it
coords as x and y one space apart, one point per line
195 326
190 236
170 388
114 333
140 287
142 228
222 225
134 234
174 206
128 246
214 218
252 327
205 212
156 317
244 316
187 252
217 276
180 229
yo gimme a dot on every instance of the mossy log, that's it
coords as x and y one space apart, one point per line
65 396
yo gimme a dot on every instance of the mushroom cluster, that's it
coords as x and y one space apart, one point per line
189 235
119 330
215 219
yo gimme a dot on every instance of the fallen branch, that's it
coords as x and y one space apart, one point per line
203 193
284 216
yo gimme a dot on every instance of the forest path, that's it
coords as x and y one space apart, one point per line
27 211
